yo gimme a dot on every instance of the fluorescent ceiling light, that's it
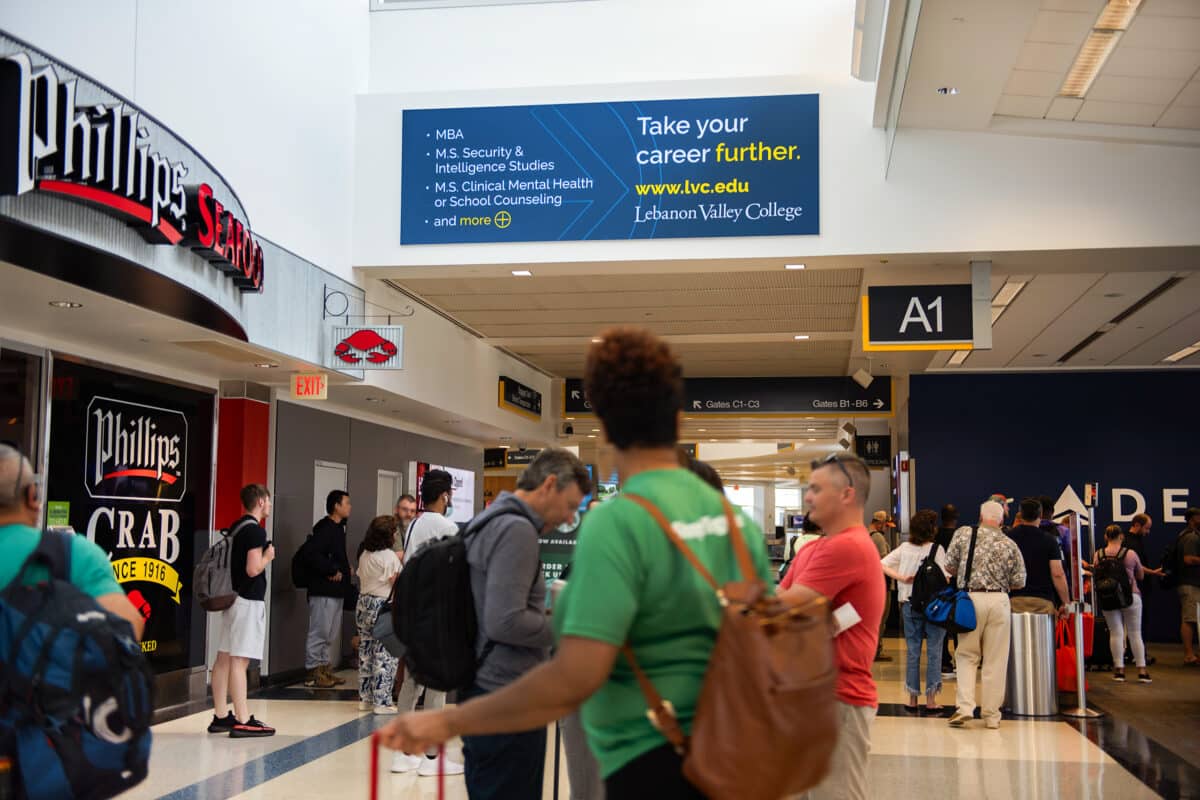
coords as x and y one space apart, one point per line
1113 21
794 266
959 357
800 337
1184 353
522 273
65 304
1008 292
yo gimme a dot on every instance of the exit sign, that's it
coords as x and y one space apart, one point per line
310 386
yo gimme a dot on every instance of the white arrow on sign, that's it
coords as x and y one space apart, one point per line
696 405
879 404
574 394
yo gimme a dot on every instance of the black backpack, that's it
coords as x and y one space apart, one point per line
1112 582
928 581
76 693
301 572
433 612
1172 561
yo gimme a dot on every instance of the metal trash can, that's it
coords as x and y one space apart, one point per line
1032 689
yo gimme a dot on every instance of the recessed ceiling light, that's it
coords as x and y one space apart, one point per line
701 430
800 337
812 440
812 430
597 341
65 304
522 273
947 90
266 365
712 440
570 419
794 266
591 436
595 430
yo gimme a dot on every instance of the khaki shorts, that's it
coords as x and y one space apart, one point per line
1189 596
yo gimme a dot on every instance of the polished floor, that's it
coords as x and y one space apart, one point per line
322 750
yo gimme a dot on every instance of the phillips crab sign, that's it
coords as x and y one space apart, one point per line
379 347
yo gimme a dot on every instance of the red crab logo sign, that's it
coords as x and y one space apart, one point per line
368 348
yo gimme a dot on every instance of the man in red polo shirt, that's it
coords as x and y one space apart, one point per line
844 566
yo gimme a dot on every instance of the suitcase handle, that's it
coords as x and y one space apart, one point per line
373 784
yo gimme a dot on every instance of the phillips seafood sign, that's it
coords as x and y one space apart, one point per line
379 347
74 139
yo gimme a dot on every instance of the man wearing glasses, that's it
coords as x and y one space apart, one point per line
20 507
844 567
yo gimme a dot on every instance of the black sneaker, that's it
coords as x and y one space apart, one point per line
222 724
251 728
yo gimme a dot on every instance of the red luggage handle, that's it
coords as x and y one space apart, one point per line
373 784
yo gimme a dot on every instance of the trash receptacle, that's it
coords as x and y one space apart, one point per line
1032 690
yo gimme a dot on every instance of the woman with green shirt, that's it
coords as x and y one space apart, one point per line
628 585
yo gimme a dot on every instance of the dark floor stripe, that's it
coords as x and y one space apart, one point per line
247 776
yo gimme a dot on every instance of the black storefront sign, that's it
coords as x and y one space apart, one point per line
521 457
766 396
875 450
901 317
518 397
74 139
493 458
130 468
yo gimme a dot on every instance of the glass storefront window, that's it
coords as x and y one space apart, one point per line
20 401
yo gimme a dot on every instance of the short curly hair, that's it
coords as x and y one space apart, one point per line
381 533
635 386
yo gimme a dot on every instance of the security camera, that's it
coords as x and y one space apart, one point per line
862 378
568 429
521 447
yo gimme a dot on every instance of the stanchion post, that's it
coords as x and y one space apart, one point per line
1080 607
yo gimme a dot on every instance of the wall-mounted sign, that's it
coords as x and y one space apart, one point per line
130 468
838 396
732 166
522 457
374 347
493 458
875 450
109 155
918 318
519 398
310 386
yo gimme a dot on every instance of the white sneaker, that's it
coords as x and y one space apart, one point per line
402 762
429 767
383 710
365 706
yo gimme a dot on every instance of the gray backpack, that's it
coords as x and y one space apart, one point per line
212 581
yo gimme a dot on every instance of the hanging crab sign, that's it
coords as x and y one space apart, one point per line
369 348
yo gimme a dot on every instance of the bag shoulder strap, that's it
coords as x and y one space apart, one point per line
661 712
234 530
970 558
54 551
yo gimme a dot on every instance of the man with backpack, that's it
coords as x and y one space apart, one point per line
1186 575
1045 577
241 629
328 584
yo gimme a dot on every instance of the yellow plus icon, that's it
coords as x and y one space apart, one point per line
503 219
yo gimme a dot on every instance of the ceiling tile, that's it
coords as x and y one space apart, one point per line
1061 27
1190 96
1170 8
1021 106
1119 113
1064 108
1169 33
1033 84
1029 315
1180 117
1091 6
1183 334
1046 57
1148 91
1144 62
1156 317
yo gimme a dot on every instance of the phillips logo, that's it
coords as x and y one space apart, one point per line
134 451
366 345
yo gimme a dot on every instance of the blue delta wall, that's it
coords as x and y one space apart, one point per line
1038 433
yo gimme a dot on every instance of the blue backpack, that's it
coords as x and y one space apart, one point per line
75 690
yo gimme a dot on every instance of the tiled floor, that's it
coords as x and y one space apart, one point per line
322 751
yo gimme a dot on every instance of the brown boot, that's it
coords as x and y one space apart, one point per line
333 676
325 679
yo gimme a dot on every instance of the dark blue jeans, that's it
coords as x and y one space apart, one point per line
507 766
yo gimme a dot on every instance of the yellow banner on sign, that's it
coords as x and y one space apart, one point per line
130 570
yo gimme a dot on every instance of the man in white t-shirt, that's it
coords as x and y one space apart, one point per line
437 491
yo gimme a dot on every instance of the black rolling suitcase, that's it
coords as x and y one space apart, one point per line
1101 658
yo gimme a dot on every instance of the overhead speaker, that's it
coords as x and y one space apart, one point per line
863 378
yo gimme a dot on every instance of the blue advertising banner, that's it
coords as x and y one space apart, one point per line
733 166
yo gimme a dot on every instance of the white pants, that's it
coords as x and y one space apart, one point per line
847 778
988 643
1126 622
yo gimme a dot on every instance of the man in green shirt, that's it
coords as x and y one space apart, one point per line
20 507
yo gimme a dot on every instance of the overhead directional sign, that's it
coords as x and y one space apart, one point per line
730 166
519 398
918 318
520 457
835 396
493 458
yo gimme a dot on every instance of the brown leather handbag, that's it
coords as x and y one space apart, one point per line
766 721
